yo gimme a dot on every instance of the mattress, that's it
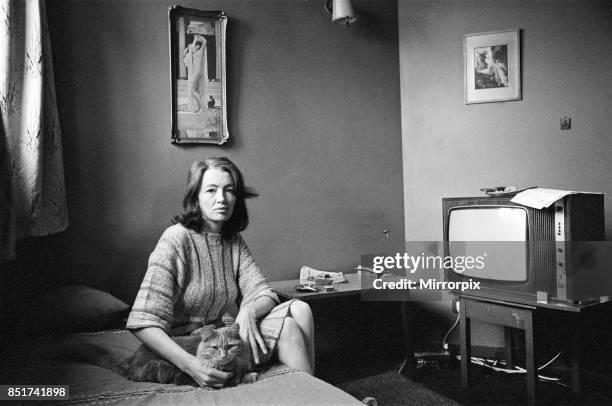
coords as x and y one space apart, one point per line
57 360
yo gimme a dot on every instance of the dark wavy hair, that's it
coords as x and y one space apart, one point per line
191 216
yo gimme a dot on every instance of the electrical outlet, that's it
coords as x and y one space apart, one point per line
566 123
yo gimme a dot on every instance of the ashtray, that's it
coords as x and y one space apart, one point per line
504 191
305 288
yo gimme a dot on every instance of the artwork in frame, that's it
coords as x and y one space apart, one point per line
197 69
492 66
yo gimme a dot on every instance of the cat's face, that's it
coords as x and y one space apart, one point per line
220 347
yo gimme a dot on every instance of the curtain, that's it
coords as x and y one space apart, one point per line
32 188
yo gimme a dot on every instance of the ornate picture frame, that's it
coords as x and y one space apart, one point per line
198 76
492 63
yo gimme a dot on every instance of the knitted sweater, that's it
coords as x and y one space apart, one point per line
193 278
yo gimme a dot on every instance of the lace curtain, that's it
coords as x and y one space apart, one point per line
32 189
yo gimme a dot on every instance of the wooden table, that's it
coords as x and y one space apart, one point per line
577 319
353 287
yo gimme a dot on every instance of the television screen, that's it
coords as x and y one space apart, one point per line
497 233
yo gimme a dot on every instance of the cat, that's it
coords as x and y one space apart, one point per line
220 348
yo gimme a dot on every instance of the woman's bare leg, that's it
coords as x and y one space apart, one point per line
301 313
292 349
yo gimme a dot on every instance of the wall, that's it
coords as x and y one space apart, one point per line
314 119
453 149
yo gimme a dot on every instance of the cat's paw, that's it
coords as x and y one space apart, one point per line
249 377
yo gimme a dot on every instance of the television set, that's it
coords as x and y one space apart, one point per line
526 254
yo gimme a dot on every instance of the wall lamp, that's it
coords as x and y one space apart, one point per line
341 10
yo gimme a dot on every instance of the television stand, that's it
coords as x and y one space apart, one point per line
577 319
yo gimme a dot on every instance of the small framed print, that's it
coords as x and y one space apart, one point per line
197 69
492 66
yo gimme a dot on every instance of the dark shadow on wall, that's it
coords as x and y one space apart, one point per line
85 254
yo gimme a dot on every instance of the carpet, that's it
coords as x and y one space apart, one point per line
391 388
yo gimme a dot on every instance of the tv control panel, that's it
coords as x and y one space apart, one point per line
560 249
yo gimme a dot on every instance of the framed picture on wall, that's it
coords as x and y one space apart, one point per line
197 69
492 66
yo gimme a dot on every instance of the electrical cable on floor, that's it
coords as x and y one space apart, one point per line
488 363
517 370
402 366
550 362
542 377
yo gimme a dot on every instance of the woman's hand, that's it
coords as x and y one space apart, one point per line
206 376
249 332
200 371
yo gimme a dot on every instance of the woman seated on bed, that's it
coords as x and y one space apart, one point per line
200 266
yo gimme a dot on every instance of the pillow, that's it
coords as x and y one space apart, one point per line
73 309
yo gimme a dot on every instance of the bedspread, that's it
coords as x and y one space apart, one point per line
54 360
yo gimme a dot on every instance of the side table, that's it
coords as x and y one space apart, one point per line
286 291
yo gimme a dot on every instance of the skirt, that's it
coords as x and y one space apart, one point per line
270 328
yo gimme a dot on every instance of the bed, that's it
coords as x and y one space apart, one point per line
48 353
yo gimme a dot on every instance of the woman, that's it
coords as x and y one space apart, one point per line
201 266
195 59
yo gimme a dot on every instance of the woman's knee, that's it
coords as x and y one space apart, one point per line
300 310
